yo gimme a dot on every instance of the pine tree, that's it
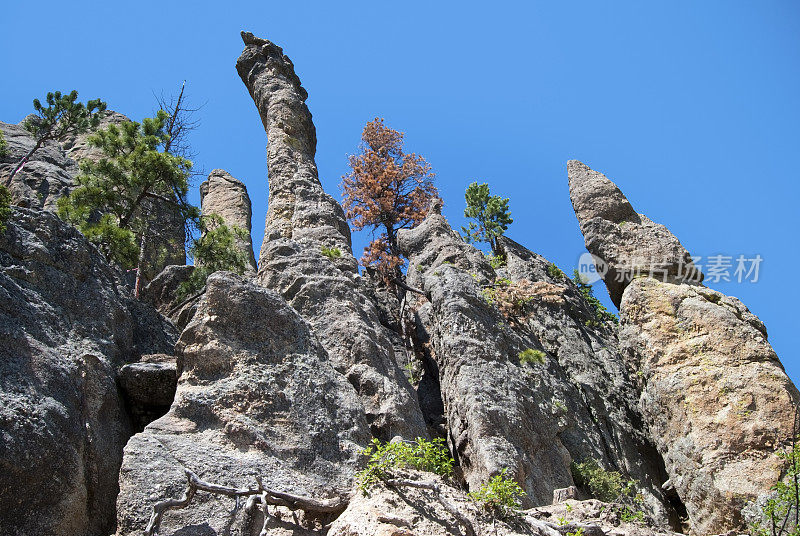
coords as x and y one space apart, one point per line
62 116
110 203
215 250
490 212
386 190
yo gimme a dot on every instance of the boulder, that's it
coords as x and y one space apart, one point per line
302 222
625 244
66 327
257 397
149 387
225 196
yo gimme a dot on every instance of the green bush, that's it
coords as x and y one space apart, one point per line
3 145
555 272
610 487
529 355
5 207
500 495
331 253
385 459
778 514
496 261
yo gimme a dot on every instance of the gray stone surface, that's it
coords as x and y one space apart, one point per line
225 196
714 396
47 177
626 243
257 396
301 220
65 328
149 387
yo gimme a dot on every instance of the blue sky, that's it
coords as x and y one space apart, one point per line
691 107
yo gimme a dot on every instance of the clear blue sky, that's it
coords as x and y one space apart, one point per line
691 107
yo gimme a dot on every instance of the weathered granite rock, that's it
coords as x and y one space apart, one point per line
257 397
76 146
47 177
496 417
66 327
298 207
162 293
589 375
714 395
225 196
406 511
716 398
301 220
623 242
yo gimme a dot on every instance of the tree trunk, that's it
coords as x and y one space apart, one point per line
25 159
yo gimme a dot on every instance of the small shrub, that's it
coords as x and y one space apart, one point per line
509 297
331 253
778 514
385 459
529 355
496 261
3 145
5 207
555 272
610 487
601 314
500 495
578 532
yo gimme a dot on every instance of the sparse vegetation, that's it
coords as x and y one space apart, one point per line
386 459
509 297
331 253
555 273
780 515
496 261
529 355
610 487
500 495
3 145
601 314
5 207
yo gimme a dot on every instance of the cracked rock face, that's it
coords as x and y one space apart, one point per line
714 395
225 196
66 327
496 419
626 243
301 220
257 397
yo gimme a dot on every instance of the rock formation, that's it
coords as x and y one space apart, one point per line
714 395
66 327
257 397
225 196
624 243
532 420
302 220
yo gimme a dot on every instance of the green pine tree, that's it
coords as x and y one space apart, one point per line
110 203
490 212
601 314
215 250
63 116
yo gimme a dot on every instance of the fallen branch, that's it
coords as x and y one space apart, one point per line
260 494
399 282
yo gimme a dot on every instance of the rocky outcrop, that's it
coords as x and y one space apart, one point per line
534 419
625 244
77 147
225 196
714 395
257 397
47 177
66 327
163 294
496 417
149 387
302 220
298 207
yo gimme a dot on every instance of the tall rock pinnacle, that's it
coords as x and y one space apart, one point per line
225 196
714 395
625 243
298 207
306 251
